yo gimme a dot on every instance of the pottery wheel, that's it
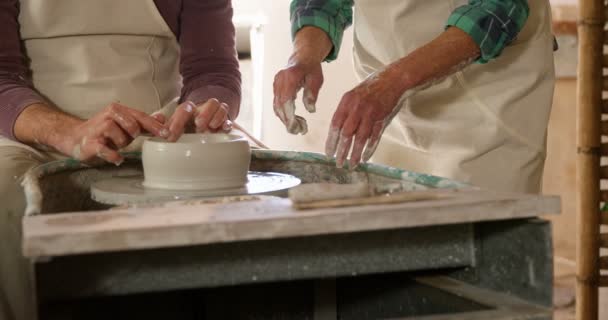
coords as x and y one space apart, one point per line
130 191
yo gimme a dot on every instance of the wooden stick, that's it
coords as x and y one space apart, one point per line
603 281
375 200
604 217
589 101
604 149
604 106
249 135
604 263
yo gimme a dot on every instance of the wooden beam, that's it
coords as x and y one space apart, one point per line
591 24
604 106
604 263
603 281
604 217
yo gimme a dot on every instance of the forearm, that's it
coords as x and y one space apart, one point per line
42 125
330 16
209 64
450 52
310 46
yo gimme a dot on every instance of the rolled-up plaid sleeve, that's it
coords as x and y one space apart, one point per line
331 16
493 24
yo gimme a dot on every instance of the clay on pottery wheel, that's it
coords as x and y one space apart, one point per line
196 162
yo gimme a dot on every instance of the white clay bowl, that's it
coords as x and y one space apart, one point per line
196 162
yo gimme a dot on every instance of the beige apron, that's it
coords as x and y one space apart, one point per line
485 125
84 55
87 54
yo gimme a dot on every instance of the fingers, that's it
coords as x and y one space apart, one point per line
346 136
180 119
289 109
302 125
159 117
127 122
374 140
104 152
361 138
343 149
90 149
279 111
286 85
337 122
312 86
114 134
331 144
133 121
212 116
227 126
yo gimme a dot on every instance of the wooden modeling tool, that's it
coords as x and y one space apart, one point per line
330 195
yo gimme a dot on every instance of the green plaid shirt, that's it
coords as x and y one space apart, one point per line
493 24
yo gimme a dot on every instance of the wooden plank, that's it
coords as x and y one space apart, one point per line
172 225
603 281
604 263
373 200
604 216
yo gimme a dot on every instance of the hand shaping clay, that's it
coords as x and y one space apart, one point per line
196 162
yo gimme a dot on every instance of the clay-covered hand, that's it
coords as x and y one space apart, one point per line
211 116
360 120
106 133
287 83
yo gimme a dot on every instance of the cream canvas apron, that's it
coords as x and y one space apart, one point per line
485 125
84 55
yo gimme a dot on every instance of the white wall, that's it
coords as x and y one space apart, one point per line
339 78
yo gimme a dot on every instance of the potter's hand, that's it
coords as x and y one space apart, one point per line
362 116
287 84
211 116
303 70
365 111
104 134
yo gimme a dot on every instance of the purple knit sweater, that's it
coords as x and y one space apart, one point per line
208 65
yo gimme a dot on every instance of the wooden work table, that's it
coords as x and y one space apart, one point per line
481 254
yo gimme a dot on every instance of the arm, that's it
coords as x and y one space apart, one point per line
209 63
26 116
475 32
317 30
16 89
330 16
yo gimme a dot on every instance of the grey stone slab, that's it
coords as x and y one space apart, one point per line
256 261
515 257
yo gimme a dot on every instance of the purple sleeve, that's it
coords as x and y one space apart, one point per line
209 64
16 90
